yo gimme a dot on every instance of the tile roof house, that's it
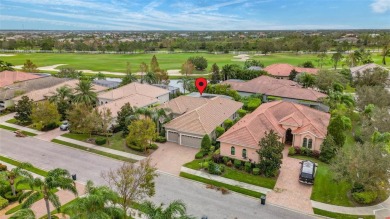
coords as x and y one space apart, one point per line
197 117
282 71
11 77
135 100
355 71
286 89
296 124
42 94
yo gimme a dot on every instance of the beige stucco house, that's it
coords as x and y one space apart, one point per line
297 125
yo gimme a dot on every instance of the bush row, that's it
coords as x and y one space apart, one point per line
11 197
100 140
160 139
3 203
303 151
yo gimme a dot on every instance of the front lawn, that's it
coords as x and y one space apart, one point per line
341 216
238 175
17 163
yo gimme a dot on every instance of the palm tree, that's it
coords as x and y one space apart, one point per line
150 78
186 81
56 178
99 203
23 214
175 210
63 93
155 115
336 57
85 93
354 58
16 172
129 78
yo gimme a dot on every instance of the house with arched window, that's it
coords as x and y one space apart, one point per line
296 125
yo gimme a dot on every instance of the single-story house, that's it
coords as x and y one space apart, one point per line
196 117
297 125
357 70
282 71
10 77
42 94
285 89
147 90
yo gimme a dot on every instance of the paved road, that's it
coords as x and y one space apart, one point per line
200 201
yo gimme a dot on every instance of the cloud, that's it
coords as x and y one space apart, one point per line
380 6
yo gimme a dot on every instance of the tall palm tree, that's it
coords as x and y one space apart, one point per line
186 81
56 178
99 203
85 93
150 78
354 58
175 210
155 115
16 172
23 214
63 93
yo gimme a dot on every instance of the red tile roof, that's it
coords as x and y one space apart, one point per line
283 70
276 87
10 77
250 129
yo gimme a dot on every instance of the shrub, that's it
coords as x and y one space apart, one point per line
219 131
100 140
253 103
3 202
366 197
225 160
50 126
3 167
291 151
256 171
11 197
4 189
205 165
206 143
212 149
199 155
160 139
316 154
241 112
248 167
297 150
237 164
222 168
229 163
306 152
136 147
214 168
153 146
228 123
217 158
218 151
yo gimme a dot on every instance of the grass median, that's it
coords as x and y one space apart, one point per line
14 129
341 216
114 156
17 163
219 184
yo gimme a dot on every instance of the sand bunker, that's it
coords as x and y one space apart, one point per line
240 58
7 54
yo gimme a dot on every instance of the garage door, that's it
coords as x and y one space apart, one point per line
173 137
190 141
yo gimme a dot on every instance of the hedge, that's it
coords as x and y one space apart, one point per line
3 203
199 155
366 197
11 197
160 139
153 146
100 140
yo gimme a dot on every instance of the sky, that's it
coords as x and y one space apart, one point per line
194 14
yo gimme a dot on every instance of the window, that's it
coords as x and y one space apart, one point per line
244 153
304 143
232 151
310 143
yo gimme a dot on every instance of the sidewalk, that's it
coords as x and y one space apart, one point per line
368 210
22 128
226 180
107 150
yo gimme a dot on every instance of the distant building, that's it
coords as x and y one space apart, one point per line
172 89
107 83
282 71
255 68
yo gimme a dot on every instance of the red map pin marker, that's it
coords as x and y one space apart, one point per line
201 84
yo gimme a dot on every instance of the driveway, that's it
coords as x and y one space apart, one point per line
288 191
169 157
50 135
199 200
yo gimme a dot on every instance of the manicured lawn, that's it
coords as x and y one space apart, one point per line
114 156
17 163
116 142
218 184
14 129
12 121
341 216
238 175
117 62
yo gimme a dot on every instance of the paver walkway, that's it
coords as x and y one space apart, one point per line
288 191
226 180
95 147
169 157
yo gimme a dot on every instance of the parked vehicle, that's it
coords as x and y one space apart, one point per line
64 126
308 171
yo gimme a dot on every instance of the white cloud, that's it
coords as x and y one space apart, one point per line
380 6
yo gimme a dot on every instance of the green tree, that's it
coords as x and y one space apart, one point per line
219 131
141 133
56 178
336 129
306 79
270 153
354 58
372 77
292 75
150 78
29 66
307 64
45 114
336 58
175 210
100 76
363 165
206 143
376 95
97 203
83 119
124 118
106 119
215 77
154 66
85 93
187 83
6 66
133 182
228 123
23 214
252 62
328 149
23 110
199 62
325 79
62 98
385 52
129 78
69 73
11 175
